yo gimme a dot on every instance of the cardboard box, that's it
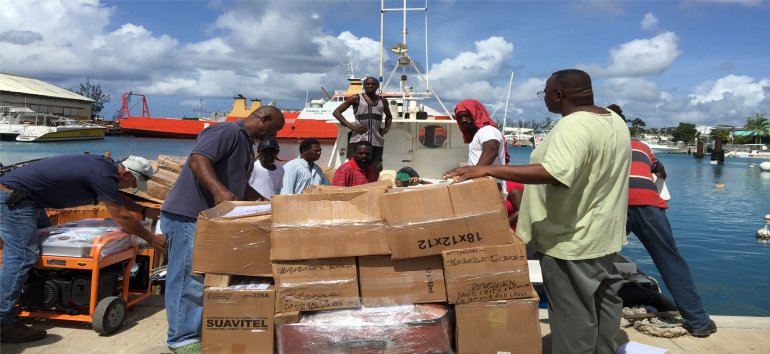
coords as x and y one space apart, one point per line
281 318
239 320
157 190
382 185
328 225
487 273
317 284
428 220
234 244
385 281
171 163
164 177
507 326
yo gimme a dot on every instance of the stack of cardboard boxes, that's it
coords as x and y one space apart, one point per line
165 176
355 259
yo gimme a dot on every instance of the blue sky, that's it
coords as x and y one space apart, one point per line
702 62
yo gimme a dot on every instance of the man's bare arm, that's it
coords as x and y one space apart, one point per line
526 174
126 221
489 152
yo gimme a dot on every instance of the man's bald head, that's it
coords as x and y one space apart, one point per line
265 121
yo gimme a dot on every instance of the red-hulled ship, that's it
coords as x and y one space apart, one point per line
145 125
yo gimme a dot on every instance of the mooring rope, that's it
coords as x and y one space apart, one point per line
660 324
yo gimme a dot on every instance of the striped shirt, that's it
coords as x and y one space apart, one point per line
641 186
350 174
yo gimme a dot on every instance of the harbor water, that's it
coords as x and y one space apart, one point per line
714 227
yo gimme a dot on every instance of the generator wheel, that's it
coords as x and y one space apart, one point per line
109 315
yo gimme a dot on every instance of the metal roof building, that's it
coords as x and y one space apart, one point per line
42 97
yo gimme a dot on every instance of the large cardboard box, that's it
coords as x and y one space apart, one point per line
505 326
157 190
328 225
171 163
382 185
317 284
234 238
487 273
164 177
239 318
385 281
426 221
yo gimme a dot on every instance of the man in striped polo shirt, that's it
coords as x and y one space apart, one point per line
358 170
648 221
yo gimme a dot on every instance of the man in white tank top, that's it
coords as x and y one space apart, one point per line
369 109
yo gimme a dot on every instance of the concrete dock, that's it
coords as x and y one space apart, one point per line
144 332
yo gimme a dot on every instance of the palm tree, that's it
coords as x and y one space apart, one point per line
758 127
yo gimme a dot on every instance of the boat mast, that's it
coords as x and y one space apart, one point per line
403 59
505 114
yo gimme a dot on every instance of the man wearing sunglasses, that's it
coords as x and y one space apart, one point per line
574 213
60 182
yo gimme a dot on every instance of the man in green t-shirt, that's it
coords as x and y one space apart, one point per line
574 213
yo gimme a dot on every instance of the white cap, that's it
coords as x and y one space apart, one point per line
141 169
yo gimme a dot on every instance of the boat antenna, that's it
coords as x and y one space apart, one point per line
505 115
427 64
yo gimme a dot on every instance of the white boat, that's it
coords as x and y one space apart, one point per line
28 126
9 126
755 151
419 137
657 146
520 136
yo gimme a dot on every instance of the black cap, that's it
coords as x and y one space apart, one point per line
267 143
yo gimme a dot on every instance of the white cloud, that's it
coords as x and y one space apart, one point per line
469 73
631 89
736 87
649 22
730 2
640 57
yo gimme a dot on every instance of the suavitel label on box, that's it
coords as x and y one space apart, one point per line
427 221
487 273
238 319
316 284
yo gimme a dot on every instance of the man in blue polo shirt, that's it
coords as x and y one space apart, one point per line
217 170
59 182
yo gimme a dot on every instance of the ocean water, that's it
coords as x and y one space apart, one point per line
714 228
120 147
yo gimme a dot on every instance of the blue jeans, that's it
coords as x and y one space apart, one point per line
184 290
651 226
21 249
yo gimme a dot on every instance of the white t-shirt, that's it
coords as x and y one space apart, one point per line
484 134
266 182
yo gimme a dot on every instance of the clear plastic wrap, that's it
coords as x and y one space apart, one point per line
394 329
77 238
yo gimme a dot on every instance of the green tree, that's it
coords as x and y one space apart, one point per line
637 126
720 133
758 127
94 92
684 132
